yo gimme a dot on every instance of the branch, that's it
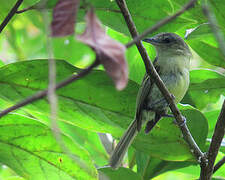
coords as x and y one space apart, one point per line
219 131
41 94
219 164
154 75
162 22
10 15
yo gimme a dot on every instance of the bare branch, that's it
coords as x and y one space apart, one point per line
154 75
219 164
10 15
41 94
189 5
219 131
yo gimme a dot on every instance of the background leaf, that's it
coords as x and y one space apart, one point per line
206 87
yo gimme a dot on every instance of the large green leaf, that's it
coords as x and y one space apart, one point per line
206 87
29 148
150 167
93 103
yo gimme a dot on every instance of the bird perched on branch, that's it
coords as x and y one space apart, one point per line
172 64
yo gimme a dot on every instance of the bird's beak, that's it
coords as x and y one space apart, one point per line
151 40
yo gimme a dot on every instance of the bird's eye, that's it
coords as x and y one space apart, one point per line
167 40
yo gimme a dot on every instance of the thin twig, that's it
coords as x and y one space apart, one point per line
154 75
10 15
219 131
41 94
214 27
219 164
168 19
52 97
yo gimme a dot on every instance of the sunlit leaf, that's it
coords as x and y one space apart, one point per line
93 103
30 149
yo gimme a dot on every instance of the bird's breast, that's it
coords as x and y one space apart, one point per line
178 84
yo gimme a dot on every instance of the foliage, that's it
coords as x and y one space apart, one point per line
92 105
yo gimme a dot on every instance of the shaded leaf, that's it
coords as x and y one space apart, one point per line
110 52
64 15
121 173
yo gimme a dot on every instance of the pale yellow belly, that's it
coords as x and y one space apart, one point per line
179 87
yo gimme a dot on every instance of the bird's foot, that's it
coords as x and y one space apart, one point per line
182 123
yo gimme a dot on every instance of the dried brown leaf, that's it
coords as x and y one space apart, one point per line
64 15
110 52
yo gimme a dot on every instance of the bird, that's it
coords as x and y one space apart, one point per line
172 63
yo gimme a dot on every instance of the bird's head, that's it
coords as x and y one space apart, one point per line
169 43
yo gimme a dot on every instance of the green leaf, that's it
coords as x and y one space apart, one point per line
30 149
150 167
121 173
206 87
93 103
90 141
1 63
43 4
6 6
212 117
166 140
142 11
199 32
194 171
202 41
210 53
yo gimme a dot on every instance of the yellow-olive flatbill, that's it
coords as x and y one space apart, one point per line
172 64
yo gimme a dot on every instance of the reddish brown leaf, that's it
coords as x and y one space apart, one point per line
110 52
64 15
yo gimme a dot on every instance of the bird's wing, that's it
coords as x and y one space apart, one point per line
142 95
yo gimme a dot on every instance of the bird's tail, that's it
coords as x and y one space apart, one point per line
122 146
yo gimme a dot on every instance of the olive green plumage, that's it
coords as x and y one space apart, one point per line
172 64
